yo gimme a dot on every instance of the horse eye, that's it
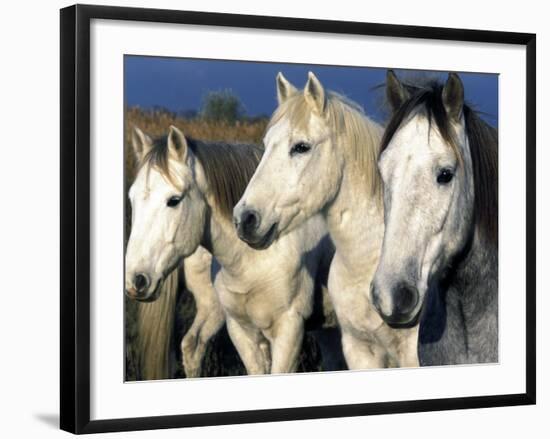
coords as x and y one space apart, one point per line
173 201
300 148
445 176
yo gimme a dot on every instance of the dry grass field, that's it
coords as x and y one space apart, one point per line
157 122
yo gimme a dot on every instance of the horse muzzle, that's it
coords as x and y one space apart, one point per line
398 306
140 288
248 223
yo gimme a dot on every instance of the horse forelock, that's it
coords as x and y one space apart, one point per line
359 136
157 158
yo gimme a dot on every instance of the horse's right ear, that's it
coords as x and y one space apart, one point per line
314 93
453 96
177 144
284 88
141 143
396 92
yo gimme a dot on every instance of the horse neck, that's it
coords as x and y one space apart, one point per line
221 240
355 216
474 279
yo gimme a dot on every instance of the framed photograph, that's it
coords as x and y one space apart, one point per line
268 219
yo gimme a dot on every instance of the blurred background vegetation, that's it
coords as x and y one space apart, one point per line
222 106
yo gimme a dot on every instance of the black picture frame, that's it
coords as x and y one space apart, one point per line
75 217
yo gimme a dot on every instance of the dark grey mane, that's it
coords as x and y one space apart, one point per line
483 140
228 167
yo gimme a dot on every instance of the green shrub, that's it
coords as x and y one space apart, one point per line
222 106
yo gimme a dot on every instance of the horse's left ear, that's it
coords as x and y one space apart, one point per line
453 96
315 93
177 144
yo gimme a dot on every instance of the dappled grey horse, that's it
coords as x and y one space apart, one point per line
439 261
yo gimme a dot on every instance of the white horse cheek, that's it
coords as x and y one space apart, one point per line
166 259
428 265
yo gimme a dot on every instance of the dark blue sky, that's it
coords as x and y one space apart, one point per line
179 84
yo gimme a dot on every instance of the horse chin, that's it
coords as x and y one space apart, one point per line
264 241
153 296
402 322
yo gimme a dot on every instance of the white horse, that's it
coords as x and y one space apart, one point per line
439 260
183 197
320 158
155 320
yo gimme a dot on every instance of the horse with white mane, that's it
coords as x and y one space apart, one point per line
183 197
156 321
320 158
439 262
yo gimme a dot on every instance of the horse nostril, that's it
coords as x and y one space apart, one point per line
406 298
141 282
250 220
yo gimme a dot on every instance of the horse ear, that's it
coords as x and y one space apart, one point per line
453 96
177 144
315 93
141 143
284 88
396 92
